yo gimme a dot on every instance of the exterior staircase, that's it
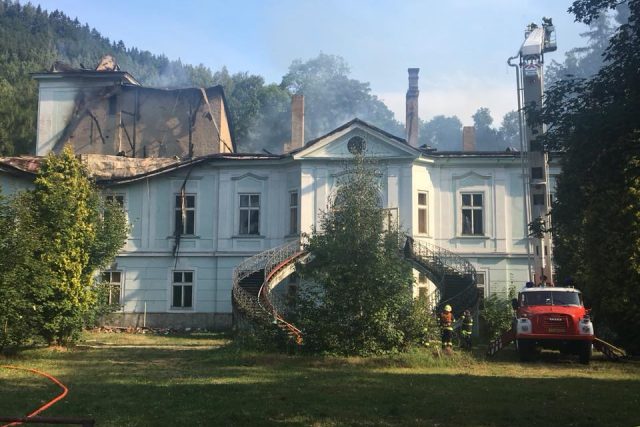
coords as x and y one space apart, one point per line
256 277
453 276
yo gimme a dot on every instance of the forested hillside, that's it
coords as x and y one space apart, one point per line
32 39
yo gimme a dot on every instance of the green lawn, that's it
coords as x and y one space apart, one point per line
200 379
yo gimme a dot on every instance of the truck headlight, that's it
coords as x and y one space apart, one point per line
524 326
585 327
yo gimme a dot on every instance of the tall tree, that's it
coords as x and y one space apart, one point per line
509 132
332 98
78 235
595 122
442 132
486 136
359 299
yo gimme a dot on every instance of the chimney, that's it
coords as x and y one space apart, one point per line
468 138
413 122
297 123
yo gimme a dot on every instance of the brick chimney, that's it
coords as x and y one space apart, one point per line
413 119
468 138
297 123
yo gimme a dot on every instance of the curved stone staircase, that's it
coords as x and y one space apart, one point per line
255 278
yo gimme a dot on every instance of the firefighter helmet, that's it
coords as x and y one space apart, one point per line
447 307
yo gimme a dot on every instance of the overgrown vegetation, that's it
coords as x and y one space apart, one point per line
358 295
497 314
595 123
54 239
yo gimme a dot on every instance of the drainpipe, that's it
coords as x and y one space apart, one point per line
525 187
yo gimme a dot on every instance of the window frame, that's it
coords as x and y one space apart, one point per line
294 211
247 231
177 212
473 209
423 210
112 284
182 284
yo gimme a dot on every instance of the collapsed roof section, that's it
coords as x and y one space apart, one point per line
106 111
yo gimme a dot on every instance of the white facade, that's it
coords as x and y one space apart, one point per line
238 205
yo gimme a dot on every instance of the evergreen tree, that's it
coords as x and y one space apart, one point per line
77 235
360 300
596 217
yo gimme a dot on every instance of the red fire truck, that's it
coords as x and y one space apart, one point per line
552 318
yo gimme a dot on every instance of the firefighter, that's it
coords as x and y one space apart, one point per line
466 329
446 324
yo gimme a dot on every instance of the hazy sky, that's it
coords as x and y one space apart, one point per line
460 46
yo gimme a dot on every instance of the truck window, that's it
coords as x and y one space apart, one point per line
550 298
566 298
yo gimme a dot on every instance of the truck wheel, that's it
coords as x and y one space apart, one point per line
525 350
585 352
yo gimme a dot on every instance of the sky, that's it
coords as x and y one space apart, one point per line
460 46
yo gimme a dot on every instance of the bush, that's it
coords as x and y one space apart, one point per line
498 314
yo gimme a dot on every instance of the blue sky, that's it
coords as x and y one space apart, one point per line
460 46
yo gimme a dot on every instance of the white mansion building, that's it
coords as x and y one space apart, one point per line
196 208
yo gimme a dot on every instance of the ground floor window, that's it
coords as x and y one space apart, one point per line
182 289
113 281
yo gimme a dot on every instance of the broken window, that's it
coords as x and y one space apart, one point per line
185 214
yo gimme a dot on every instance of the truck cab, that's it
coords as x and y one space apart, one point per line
552 318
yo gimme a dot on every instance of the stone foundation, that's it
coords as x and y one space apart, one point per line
210 321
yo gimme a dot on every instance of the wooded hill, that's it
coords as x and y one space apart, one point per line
32 39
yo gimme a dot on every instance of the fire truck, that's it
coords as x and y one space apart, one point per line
552 318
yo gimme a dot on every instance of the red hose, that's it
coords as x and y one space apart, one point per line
47 405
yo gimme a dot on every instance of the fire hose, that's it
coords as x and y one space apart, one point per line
47 405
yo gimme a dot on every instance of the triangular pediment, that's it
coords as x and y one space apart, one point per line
353 137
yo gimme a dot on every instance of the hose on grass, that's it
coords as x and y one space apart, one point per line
47 405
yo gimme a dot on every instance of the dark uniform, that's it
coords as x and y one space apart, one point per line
466 329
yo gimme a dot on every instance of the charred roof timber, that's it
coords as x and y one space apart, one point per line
111 113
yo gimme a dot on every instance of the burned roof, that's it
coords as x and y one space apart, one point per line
111 170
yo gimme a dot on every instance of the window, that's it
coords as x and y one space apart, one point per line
422 213
293 212
422 278
249 214
185 214
472 214
536 174
538 199
113 280
182 289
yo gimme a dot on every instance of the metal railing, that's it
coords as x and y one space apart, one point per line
270 304
440 262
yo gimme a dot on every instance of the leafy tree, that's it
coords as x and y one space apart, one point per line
595 122
360 299
509 133
486 136
22 279
442 132
497 314
332 98
78 234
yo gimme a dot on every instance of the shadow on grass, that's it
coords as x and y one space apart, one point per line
228 386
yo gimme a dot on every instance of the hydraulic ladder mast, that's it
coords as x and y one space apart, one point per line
538 41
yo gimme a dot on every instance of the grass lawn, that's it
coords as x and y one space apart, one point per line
201 379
